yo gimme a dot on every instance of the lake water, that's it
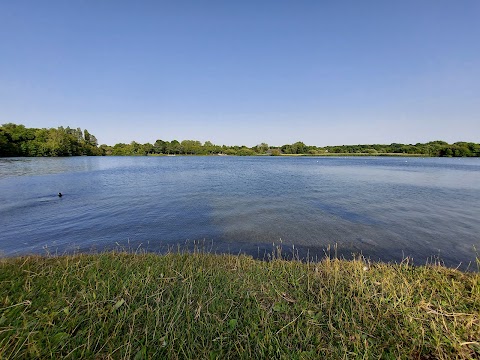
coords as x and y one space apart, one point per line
384 208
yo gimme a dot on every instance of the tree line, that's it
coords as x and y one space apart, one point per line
18 140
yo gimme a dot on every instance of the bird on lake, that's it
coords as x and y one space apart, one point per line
60 194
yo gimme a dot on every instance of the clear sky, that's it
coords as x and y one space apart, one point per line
325 72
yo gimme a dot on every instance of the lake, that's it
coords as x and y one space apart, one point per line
385 208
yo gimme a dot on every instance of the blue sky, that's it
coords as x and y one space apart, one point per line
243 72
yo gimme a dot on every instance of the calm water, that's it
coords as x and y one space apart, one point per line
385 208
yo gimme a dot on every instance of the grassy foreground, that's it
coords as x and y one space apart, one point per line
123 305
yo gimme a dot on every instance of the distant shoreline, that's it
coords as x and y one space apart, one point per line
300 155
359 154
19 141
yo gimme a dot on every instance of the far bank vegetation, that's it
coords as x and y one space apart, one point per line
18 140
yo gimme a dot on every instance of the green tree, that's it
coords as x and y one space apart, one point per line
191 147
159 147
262 148
174 147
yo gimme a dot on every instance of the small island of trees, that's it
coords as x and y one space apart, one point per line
18 140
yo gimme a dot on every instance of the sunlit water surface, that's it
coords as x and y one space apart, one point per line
383 208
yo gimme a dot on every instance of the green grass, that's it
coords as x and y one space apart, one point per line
137 306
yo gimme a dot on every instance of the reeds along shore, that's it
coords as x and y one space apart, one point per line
179 305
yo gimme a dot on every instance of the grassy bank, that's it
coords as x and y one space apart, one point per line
121 305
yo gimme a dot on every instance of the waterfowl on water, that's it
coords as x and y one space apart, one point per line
60 194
